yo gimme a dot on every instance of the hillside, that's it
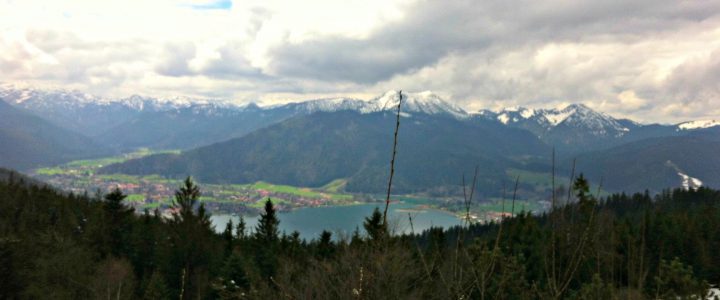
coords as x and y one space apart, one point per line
189 127
28 141
657 163
312 150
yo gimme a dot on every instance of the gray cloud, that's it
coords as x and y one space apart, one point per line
176 59
607 54
231 64
433 29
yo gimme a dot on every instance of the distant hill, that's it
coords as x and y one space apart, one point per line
189 127
28 141
312 150
657 163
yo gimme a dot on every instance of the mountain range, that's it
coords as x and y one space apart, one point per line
313 142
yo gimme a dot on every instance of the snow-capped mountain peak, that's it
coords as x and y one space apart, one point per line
579 115
543 120
327 105
423 102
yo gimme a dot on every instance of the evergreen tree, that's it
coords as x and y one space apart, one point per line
235 281
676 280
156 288
192 232
267 229
266 241
375 227
117 225
240 230
228 237
325 245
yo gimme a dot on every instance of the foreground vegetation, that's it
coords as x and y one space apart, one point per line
59 246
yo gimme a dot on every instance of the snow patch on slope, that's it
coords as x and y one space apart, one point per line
503 118
527 113
700 124
689 182
556 118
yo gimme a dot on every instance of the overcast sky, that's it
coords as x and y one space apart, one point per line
653 60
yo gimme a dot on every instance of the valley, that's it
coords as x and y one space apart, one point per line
150 192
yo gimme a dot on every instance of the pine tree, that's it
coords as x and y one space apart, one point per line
240 230
185 200
117 222
267 228
234 278
325 245
266 241
192 233
228 238
374 226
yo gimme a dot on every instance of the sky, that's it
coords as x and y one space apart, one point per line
650 60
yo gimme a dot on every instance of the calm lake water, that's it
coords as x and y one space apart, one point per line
342 220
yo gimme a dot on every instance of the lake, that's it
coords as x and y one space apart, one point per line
342 220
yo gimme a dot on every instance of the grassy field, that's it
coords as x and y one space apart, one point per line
135 198
335 185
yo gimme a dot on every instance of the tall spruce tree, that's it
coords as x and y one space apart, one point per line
240 230
267 228
192 233
374 226
117 222
266 241
228 237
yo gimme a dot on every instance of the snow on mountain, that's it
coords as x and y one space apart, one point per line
579 115
503 118
48 100
27 97
423 102
536 120
689 182
324 105
574 115
700 124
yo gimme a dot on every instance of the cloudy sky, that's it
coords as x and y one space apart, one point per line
654 60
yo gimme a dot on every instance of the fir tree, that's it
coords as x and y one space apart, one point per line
267 228
235 279
266 240
228 237
192 232
117 225
240 230
374 226
325 245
